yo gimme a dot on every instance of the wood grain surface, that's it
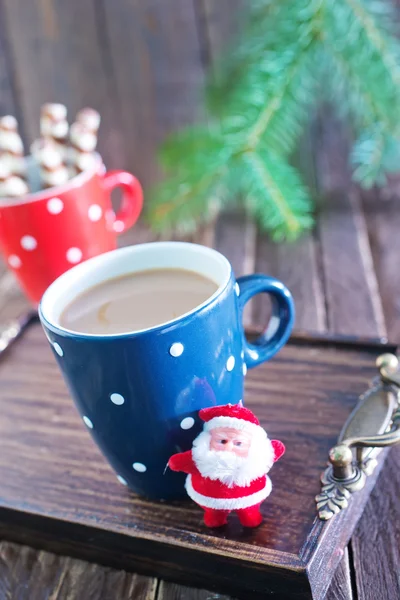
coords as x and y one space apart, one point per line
26 574
58 492
157 69
353 304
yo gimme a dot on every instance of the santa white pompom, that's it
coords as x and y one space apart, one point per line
228 465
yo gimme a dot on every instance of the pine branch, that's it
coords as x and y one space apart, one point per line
379 41
273 124
375 154
261 100
364 82
184 199
367 157
275 195
229 70
192 146
349 34
353 100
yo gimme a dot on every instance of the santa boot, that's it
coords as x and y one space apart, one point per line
215 518
251 516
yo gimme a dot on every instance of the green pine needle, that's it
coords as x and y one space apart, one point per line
276 195
292 55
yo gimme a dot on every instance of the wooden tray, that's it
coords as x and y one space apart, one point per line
57 492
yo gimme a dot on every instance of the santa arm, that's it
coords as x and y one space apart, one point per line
182 461
279 449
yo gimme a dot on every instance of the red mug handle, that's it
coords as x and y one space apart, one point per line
132 198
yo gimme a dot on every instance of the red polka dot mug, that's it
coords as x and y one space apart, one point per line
46 233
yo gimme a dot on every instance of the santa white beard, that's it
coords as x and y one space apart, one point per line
229 468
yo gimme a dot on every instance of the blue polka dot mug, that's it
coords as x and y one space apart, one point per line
139 392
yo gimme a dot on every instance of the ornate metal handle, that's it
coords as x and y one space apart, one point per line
374 424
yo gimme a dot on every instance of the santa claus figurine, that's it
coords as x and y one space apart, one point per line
228 465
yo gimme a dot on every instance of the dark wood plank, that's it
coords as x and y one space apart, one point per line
352 297
155 51
297 266
235 237
376 543
8 100
28 574
12 302
383 217
57 492
60 54
223 20
173 591
341 586
219 25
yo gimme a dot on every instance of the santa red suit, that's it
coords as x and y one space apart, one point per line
222 481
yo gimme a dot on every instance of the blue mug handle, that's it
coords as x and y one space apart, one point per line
280 324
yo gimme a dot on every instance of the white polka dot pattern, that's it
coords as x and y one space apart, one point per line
230 363
244 368
176 349
95 213
118 226
55 206
237 289
58 349
28 242
117 399
74 255
122 480
187 423
139 467
14 261
87 422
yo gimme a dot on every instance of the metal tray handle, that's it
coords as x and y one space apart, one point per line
374 424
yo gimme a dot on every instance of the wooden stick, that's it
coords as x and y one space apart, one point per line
53 170
83 142
54 126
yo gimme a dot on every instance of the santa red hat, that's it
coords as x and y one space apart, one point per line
235 416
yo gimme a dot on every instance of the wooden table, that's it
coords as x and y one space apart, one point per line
345 280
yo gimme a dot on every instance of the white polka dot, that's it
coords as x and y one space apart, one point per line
242 354
230 363
87 422
187 423
95 212
14 261
176 349
117 399
55 206
122 480
237 289
244 368
139 467
74 255
118 226
58 349
28 242
253 353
